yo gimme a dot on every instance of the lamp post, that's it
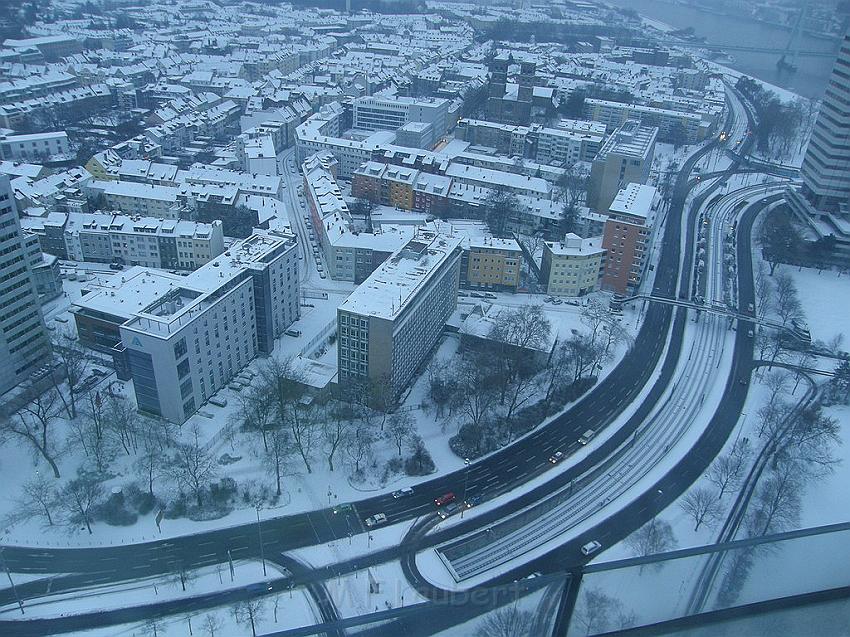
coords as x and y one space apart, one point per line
260 535
465 483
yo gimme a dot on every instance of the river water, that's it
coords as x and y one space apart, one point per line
725 30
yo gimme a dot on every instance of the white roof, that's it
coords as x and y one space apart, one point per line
634 200
391 287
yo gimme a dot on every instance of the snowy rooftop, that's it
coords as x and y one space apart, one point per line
573 245
391 287
634 200
128 292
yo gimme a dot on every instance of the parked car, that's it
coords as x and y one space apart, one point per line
490 295
591 547
375 520
444 499
402 493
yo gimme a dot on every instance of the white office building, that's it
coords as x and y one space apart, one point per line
393 320
194 338
383 112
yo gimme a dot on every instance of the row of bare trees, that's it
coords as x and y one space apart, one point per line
509 381
289 425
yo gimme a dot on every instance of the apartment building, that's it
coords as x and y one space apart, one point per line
173 244
573 266
626 236
625 157
491 263
23 338
350 255
191 340
135 198
674 126
38 146
395 317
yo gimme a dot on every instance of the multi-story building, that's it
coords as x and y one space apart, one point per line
395 317
192 339
491 263
38 146
823 202
173 244
386 112
675 126
23 338
626 236
572 267
625 157
349 255
134 198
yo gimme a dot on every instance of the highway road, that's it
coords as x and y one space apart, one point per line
496 474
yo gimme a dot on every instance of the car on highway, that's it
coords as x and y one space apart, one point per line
556 457
444 499
376 520
587 436
471 502
259 587
402 493
448 510
591 547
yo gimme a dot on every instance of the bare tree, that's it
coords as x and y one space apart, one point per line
149 463
776 382
810 441
122 422
788 305
89 432
558 371
75 363
33 423
508 621
278 448
256 412
79 497
337 420
702 505
284 384
249 611
776 505
656 536
192 466
357 443
727 471
598 612
764 291
152 627
400 429
585 355
518 334
211 624
38 499
477 395
803 362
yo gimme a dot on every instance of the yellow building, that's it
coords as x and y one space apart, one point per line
492 263
400 182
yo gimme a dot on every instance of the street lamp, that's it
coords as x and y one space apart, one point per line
260 535
465 483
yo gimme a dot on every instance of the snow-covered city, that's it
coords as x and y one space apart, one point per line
424 318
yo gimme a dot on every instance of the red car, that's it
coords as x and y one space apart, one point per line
444 499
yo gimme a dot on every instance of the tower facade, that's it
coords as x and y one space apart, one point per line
23 338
